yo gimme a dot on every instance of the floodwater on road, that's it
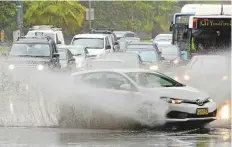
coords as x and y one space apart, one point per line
57 137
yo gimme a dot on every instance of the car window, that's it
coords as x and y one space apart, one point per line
148 56
130 35
90 43
151 80
93 79
115 80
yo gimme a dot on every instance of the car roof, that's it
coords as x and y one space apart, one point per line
107 60
32 40
122 53
164 35
91 35
141 43
70 46
123 32
45 30
123 70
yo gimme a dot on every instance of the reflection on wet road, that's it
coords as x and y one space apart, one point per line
52 137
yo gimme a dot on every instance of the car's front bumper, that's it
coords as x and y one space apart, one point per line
204 119
187 112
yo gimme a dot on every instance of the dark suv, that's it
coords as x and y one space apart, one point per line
33 53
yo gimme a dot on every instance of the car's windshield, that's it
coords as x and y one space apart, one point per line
33 49
90 43
62 55
151 80
76 51
140 46
146 55
129 60
163 38
208 65
169 49
106 64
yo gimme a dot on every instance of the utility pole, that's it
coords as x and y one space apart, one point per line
19 10
90 23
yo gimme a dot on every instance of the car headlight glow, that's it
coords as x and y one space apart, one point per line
186 77
155 67
79 65
40 67
11 66
176 61
172 100
224 78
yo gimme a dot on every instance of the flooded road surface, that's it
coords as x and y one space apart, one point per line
54 137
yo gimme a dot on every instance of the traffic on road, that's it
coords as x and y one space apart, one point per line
178 80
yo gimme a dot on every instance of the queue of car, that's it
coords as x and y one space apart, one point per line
96 58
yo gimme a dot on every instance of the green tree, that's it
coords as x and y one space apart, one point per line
7 14
68 15
134 15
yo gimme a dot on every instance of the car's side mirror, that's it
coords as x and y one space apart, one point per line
56 55
126 87
108 47
159 52
72 60
116 43
162 58
171 25
58 42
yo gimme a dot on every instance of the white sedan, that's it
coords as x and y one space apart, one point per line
185 104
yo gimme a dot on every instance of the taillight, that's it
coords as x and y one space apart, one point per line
194 22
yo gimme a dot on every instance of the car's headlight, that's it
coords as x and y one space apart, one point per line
210 100
172 100
40 67
155 67
186 77
176 61
11 67
224 78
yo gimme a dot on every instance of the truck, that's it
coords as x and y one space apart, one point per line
211 29
187 26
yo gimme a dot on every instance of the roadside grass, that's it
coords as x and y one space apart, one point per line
3 49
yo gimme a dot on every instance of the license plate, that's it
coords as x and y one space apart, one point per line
202 111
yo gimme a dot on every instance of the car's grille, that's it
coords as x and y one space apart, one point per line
183 115
196 102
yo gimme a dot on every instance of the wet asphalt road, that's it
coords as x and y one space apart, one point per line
215 136
54 137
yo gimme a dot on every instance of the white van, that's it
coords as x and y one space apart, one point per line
96 44
55 33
